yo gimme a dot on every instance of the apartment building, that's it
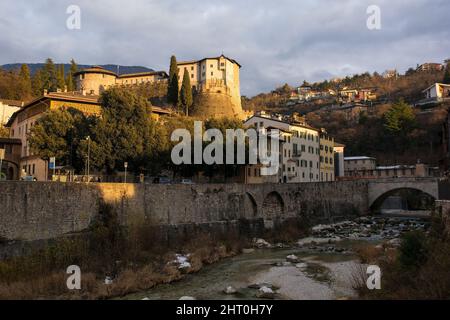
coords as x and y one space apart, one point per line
327 167
299 149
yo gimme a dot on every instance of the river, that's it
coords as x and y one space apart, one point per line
325 270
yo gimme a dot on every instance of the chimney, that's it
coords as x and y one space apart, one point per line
45 92
65 88
83 92
58 90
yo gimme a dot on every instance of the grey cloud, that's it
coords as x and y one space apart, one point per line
275 41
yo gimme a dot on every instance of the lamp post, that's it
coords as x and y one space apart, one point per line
2 155
126 166
88 138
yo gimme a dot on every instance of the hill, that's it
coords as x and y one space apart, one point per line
111 67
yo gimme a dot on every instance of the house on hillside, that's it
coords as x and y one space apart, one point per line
430 67
436 93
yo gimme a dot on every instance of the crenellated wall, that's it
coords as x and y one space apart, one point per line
45 210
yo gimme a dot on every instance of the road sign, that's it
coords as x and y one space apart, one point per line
52 163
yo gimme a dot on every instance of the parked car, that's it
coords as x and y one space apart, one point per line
186 181
28 178
162 180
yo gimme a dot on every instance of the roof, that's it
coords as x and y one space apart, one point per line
143 74
95 69
297 124
160 110
337 144
61 96
13 103
221 56
358 158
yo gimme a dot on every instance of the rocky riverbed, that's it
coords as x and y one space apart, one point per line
322 266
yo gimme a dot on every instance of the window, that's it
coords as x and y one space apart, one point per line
249 172
212 74
34 167
192 68
222 64
192 75
211 66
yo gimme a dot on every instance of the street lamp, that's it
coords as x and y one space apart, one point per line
126 166
88 138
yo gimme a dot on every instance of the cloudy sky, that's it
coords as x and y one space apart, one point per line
276 41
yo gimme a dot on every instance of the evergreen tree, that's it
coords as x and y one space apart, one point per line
172 89
37 83
446 79
60 78
70 78
186 92
25 80
49 76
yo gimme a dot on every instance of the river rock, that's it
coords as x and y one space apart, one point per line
301 265
292 258
187 298
230 290
265 293
261 243
108 280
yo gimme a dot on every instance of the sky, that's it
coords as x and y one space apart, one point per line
275 41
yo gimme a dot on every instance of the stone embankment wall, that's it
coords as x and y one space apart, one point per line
46 210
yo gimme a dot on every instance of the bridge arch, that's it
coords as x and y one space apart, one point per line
250 206
380 190
273 205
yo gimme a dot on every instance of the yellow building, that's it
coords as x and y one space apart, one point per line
327 165
23 120
95 80
217 84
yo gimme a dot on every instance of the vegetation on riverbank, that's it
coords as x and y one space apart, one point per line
418 269
136 258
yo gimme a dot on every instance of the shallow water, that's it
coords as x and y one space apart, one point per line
258 267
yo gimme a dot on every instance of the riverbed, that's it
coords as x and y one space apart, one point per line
322 267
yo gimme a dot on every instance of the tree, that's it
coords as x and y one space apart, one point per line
60 77
25 81
124 131
4 132
446 79
56 134
49 75
69 79
400 118
172 89
37 83
186 93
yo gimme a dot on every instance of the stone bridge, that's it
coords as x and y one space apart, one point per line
44 210
380 189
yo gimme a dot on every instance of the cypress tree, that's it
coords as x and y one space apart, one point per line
61 80
172 88
186 92
49 75
25 80
70 80
446 79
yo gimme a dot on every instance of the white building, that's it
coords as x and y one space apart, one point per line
7 108
437 91
299 150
